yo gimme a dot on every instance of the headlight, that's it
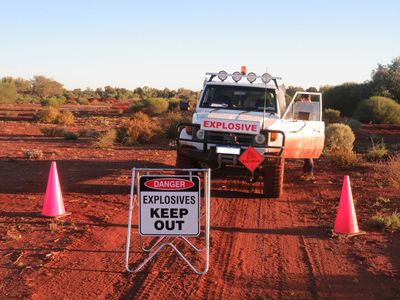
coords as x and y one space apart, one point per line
222 75
200 134
259 139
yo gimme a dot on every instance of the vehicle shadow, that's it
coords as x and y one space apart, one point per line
95 177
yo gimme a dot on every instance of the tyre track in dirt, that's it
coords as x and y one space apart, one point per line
260 248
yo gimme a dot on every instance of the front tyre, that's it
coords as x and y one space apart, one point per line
273 171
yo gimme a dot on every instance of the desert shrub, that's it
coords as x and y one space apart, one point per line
173 104
82 101
345 158
339 138
52 131
33 154
66 118
107 139
377 152
392 170
137 106
378 110
69 135
90 133
354 124
331 115
47 115
156 106
390 222
381 201
139 129
53 101
169 122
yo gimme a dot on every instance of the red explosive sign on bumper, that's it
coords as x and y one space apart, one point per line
251 159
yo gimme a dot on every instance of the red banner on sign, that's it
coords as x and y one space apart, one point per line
251 159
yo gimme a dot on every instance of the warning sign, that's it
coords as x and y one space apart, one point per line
169 205
251 158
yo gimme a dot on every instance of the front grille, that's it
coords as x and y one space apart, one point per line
229 138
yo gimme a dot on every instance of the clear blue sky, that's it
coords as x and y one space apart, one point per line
173 43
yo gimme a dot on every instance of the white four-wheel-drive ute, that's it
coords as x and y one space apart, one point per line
241 110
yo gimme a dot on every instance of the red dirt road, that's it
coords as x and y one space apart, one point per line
260 248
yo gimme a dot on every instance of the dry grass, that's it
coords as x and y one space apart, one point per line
90 133
66 118
33 154
47 115
53 131
377 152
106 140
344 158
389 222
139 129
392 168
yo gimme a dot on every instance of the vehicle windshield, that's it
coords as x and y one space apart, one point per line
239 98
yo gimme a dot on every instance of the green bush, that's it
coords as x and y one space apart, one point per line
66 118
82 101
138 106
52 131
69 135
53 101
331 115
378 110
47 115
156 106
107 139
140 129
339 138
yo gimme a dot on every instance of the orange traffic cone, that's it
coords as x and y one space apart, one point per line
53 205
346 219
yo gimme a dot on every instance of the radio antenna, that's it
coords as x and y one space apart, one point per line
265 101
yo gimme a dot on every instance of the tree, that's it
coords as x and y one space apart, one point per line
345 97
8 91
291 90
24 87
386 80
45 87
312 89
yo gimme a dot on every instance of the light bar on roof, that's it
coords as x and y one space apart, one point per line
266 78
236 76
222 75
251 77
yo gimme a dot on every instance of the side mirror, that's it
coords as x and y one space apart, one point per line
184 105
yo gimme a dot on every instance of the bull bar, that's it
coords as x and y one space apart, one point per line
205 141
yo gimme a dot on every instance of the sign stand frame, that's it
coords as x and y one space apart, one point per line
207 195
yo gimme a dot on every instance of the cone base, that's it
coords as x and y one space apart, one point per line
360 232
58 216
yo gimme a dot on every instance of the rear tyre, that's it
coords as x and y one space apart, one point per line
273 171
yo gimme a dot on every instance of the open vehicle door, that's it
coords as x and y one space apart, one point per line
303 126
